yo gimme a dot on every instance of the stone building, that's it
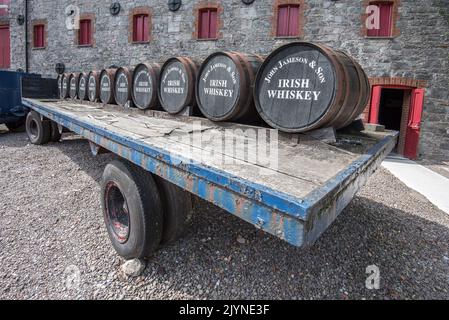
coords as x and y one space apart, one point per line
406 56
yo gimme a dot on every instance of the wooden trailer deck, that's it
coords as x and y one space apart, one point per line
296 196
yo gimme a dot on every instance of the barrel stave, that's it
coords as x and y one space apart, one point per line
107 78
123 86
145 82
73 83
93 86
177 84
304 86
224 86
82 86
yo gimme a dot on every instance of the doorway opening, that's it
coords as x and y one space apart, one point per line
399 108
391 108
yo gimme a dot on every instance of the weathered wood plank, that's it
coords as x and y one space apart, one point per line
301 165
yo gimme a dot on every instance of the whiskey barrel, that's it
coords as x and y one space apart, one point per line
177 84
145 82
65 86
93 88
224 86
123 86
304 86
107 78
365 88
59 85
73 82
82 86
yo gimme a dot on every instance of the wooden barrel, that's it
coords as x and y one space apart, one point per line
73 82
224 86
177 84
304 86
123 86
82 86
365 87
145 83
93 88
65 86
107 78
59 84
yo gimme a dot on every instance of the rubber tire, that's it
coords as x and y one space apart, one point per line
43 129
145 209
178 210
18 126
55 136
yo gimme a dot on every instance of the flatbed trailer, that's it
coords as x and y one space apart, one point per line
296 201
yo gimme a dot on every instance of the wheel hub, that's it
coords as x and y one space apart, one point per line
117 212
34 131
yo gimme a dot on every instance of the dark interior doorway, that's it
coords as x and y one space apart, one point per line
390 108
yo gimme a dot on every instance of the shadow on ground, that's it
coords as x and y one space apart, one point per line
368 233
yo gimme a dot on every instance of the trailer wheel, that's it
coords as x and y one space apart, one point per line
132 210
55 135
178 210
38 131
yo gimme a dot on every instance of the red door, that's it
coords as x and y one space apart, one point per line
5 61
375 104
414 124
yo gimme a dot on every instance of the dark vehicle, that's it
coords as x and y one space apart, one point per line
13 86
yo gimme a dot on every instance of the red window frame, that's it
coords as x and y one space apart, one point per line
288 20
207 23
386 20
4 12
85 33
39 36
141 29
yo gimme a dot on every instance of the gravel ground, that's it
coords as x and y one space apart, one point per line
51 229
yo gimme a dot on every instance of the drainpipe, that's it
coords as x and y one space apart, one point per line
27 57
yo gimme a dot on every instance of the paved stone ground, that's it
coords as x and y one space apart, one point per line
439 166
51 229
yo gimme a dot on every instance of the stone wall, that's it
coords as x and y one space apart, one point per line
420 51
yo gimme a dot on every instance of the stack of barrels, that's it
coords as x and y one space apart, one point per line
299 87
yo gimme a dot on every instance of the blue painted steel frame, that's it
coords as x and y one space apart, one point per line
272 211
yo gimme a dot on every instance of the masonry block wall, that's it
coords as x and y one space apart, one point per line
419 50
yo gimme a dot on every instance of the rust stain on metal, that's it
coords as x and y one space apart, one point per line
239 206
210 191
189 182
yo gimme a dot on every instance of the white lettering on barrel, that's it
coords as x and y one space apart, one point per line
143 86
220 87
220 65
92 83
105 84
174 83
294 95
320 74
283 92
219 92
294 83
219 83
72 84
312 64
174 86
122 83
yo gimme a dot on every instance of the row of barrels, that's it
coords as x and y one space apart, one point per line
299 87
